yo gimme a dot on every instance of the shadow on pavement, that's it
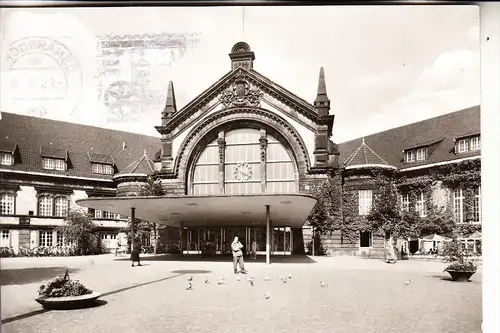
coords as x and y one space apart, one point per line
96 304
276 259
30 275
192 271
449 279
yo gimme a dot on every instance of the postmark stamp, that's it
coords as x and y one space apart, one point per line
125 68
43 75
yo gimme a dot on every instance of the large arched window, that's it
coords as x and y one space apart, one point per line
244 161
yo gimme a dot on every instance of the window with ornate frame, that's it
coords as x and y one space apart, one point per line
244 161
53 205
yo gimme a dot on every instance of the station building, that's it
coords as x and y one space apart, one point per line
243 143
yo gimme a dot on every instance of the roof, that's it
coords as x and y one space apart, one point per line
143 166
390 144
82 143
364 155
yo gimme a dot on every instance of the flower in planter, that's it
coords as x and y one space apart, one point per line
62 287
458 258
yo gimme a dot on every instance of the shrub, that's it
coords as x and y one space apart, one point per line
458 257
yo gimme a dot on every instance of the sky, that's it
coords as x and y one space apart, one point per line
385 66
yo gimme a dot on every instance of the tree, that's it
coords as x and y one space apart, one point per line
79 229
326 216
385 216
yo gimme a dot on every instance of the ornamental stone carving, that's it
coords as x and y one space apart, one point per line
240 94
222 149
263 148
243 171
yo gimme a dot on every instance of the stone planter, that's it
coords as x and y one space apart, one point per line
68 302
460 276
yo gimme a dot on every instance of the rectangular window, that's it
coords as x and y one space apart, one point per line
59 238
7 204
108 215
45 206
104 169
365 202
405 202
48 164
45 238
475 143
477 204
4 238
98 214
458 205
6 159
421 154
410 156
365 239
420 205
463 145
54 164
60 165
61 206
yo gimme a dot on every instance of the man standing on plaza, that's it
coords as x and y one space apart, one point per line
236 247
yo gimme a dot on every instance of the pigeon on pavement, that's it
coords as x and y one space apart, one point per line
323 285
407 282
206 280
190 287
191 278
267 295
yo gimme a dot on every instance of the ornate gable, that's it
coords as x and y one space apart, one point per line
243 87
240 87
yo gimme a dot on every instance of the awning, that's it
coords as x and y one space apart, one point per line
214 210
435 237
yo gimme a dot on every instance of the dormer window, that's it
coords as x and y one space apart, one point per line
101 163
6 159
54 164
103 169
54 159
413 155
464 145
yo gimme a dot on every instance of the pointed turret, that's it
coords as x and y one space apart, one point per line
170 105
322 102
323 130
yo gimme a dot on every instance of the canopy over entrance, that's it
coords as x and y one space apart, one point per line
215 210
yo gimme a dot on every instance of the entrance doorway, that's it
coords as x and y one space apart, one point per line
217 240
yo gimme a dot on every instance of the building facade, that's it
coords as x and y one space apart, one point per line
245 134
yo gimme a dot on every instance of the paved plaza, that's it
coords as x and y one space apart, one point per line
362 295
